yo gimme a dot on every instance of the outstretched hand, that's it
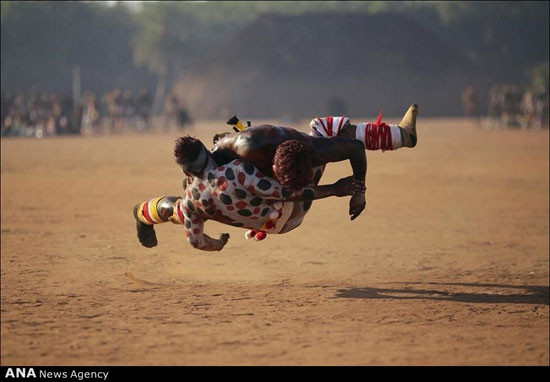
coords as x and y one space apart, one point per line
222 240
349 186
357 204
224 237
355 188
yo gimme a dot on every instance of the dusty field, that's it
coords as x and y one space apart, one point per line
448 265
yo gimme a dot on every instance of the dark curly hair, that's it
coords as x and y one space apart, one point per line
186 150
293 168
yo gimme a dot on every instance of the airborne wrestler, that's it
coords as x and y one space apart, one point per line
292 158
261 145
236 193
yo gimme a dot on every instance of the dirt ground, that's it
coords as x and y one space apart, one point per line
448 264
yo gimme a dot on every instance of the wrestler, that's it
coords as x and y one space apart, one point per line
260 145
236 193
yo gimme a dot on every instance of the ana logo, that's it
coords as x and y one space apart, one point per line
20 372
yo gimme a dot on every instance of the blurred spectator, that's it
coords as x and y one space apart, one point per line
108 107
143 109
70 123
113 104
542 104
90 114
495 104
183 117
118 111
175 111
511 106
47 113
170 110
8 102
128 109
14 119
469 104
528 109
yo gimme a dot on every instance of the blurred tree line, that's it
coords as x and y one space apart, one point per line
132 44
42 41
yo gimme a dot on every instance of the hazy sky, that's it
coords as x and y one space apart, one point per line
131 4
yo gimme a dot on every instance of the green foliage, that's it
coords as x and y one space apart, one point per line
172 36
41 41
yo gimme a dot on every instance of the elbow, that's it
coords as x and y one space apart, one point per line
359 145
359 151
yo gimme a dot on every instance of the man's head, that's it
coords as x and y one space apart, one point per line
292 165
191 155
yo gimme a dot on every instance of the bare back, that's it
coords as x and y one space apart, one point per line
256 145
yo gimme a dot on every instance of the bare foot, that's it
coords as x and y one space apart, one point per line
408 123
145 232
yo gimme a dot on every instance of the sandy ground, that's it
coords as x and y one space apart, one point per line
448 265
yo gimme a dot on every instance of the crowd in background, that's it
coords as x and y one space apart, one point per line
116 111
48 113
510 106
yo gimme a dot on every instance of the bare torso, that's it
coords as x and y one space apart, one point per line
258 144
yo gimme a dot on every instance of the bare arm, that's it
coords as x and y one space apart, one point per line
194 226
336 149
343 187
259 150
265 187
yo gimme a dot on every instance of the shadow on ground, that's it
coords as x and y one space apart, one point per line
532 294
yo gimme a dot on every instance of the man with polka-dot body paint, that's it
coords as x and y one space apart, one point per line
236 193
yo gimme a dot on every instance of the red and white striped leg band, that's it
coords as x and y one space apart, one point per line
328 126
147 212
379 135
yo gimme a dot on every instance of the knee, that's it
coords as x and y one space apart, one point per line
165 207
